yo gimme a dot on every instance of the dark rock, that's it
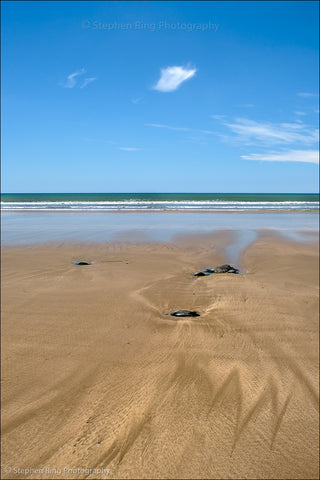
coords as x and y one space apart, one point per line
224 269
82 263
203 273
185 313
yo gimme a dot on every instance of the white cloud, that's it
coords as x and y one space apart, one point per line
71 79
300 113
129 149
172 77
307 156
269 134
307 94
136 100
86 81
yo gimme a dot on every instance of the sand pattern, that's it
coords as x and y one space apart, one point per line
97 374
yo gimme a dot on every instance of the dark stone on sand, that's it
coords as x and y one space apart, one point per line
82 263
203 273
224 269
185 313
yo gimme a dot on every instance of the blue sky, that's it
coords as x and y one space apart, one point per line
160 96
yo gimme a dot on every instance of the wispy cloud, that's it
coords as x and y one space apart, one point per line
86 81
300 113
172 77
271 133
158 125
268 134
306 156
71 80
136 100
307 94
180 129
218 117
130 149
245 105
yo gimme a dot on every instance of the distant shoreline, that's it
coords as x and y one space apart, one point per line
24 227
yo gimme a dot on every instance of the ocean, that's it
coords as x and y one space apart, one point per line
209 202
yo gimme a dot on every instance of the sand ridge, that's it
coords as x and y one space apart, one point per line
97 375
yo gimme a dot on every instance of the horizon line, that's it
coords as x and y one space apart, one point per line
160 193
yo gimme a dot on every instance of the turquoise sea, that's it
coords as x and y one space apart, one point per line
160 201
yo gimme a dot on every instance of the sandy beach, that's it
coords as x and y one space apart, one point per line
99 381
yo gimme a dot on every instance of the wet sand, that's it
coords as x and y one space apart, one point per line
97 375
